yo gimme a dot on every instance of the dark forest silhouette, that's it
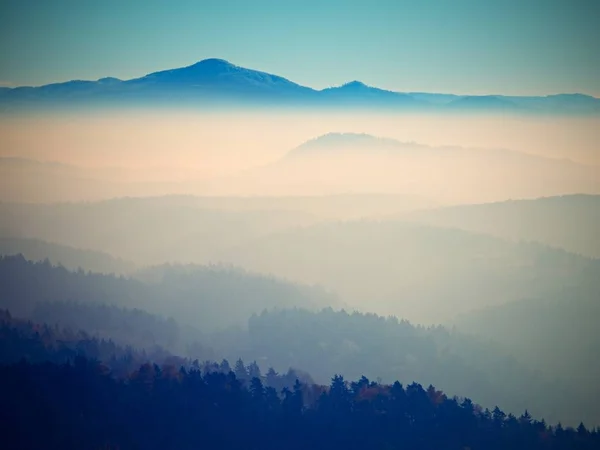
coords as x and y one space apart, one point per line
81 402
129 312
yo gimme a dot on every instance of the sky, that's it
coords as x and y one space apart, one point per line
513 47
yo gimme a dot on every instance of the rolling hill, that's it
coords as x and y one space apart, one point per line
570 222
204 297
422 273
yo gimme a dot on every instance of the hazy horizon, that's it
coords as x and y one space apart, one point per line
349 80
203 153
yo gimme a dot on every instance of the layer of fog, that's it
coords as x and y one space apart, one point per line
426 162
140 153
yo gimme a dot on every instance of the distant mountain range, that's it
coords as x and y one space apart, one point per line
337 163
218 82
331 164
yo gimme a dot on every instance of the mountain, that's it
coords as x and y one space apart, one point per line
216 81
357 93
208 80
570 222
344 144
338 163
212 77
216 72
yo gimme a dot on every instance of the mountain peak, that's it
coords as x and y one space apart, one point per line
357 91
344 143
214 62
108 80
215 76
212 67
355 85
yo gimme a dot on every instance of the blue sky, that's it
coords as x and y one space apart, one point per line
461 46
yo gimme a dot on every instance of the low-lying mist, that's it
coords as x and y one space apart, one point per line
105 154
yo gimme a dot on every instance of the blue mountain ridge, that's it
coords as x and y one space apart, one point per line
215 80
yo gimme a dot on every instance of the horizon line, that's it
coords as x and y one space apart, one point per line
11 85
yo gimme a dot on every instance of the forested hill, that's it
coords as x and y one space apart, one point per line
204 304
159 409
79 403
357 344
207 297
